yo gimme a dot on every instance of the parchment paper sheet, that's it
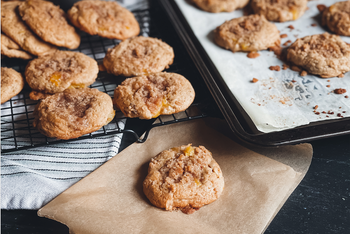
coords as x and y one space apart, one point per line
111 200
274 103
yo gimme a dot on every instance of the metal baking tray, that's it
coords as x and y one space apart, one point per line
238 120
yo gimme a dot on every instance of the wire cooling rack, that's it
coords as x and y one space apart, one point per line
17 131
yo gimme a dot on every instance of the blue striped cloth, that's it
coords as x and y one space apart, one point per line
31 178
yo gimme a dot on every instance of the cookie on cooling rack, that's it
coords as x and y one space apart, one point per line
12 83
13 26
325 55
147 97
183 178
11 49
58 71
216 6
280 11
337 18
247 33
73 113
138 56
49 23
103 18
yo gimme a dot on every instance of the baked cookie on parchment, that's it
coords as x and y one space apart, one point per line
104 18
147 97
247 33
281 10
73 113
337 18
138 56
183 178
216 6
13 26
12 83
56 72
324 54
49 23
11 49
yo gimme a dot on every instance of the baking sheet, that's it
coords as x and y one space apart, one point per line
274 103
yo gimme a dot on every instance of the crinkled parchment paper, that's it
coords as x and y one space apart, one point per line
111 200
274 103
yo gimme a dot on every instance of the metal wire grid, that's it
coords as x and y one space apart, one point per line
17 132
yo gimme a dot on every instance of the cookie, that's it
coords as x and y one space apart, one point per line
281 10
216 6
183 178
73 113
337 18
13 26
106 19
325 55
247 33
49 23
11 49
56 72
138 56
12 83
147 97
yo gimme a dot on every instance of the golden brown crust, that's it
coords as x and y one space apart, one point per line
106 19
337 18
324 54
13 26
184 178
216 6
11 49
281 10
147 97
56 72
73 113
247 33
12 83
49 23
138 56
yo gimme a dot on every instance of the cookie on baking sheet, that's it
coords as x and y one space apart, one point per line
281 10
247 33
58 71
147 97
11 49
325 55
183 178
49 23
103 18
12 83
73 113
13 26
337 18
216 6
138 56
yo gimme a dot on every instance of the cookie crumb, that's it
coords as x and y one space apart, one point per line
328 80
346 96
339 115
323 112
321 7
291 27
339 91
328 86
254 80
313 25
253 54
285 66
287 42
275 68
330 112
317 113
315 107
341 76
303 73
294 81
284 35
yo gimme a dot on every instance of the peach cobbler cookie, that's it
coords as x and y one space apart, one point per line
73 113
337 18
279 10
104 18
12 83
325 55
216 6
247 33
11 49
183 178
49 23
147 97
56 72
138 56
